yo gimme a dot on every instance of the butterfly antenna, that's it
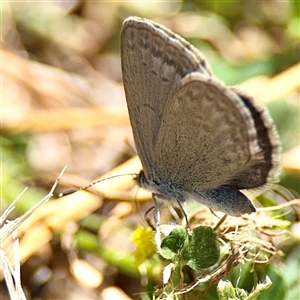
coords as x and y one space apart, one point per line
71 191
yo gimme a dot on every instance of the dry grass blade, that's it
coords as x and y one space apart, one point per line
12 273
8 228
266 90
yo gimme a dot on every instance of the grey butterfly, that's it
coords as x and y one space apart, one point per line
196 138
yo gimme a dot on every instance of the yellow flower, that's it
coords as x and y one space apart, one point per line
145 248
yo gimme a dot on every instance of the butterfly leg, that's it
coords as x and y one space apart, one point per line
156 212
184 215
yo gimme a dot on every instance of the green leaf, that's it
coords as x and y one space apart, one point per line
279 287
259 289
225 290
173 243
201 249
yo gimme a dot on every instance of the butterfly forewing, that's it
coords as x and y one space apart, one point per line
154 60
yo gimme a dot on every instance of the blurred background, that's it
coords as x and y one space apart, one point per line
63 104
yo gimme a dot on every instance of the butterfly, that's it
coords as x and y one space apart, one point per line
196 138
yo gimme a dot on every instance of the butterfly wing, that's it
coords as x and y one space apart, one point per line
154 60
208 138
